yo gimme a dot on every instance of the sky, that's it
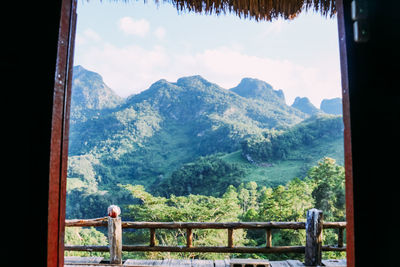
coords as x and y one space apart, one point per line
132 45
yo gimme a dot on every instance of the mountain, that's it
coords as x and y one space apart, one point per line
147 137
259 90
303 104
152 133
194 107
270 159
90 94
332 106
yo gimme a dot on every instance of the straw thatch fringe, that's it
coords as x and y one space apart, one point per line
255 9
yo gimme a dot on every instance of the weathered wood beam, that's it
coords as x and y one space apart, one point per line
230 237
215 225
115 235
86 248
340 237
334 225
333 248
98 222
189 237
287 249
268 237
152 237
86 222
281 249
313 252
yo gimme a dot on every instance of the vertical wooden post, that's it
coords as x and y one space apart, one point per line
230 237
115 234
313 252
340 237
189 237
268 238
152 237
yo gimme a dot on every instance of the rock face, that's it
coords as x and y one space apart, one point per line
257 89
303 104
90 94
332 106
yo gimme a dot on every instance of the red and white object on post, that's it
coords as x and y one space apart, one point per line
113 211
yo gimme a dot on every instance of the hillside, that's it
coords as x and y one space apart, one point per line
270 160
145 138
299 160
332 106
172 123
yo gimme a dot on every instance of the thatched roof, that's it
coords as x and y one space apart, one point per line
255 9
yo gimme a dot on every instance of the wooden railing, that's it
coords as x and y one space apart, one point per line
313 248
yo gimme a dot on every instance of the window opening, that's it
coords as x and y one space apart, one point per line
204 119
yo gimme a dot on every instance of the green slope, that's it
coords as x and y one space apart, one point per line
279 172
271 159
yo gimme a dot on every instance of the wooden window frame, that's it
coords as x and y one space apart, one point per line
60 131
59 134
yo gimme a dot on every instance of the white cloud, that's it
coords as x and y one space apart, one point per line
227 66
87 36
92 35
126 70
160 32
134 27
133 68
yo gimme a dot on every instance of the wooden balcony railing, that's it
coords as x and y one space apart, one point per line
313 248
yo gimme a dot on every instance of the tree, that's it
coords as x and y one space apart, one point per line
207 176
283 203
328 192
191 208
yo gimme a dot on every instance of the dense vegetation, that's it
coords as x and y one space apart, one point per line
193 151
322 188
206 176
272 145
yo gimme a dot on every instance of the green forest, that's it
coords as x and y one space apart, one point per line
193 151
322 188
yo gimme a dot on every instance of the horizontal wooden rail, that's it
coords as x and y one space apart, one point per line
282 249
279 249
87 222
215 225
334 225
98 222
88 248
312 249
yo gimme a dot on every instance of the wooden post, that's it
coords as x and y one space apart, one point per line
313 251
268 238
230 237
189 237
115 235
152 237
340 237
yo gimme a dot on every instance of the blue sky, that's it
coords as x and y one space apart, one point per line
133 45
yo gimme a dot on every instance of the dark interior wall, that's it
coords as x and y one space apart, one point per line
27 64
374 90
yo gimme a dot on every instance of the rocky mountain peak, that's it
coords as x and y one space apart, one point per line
257 89
303 104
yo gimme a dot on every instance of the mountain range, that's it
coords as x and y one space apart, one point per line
144 138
